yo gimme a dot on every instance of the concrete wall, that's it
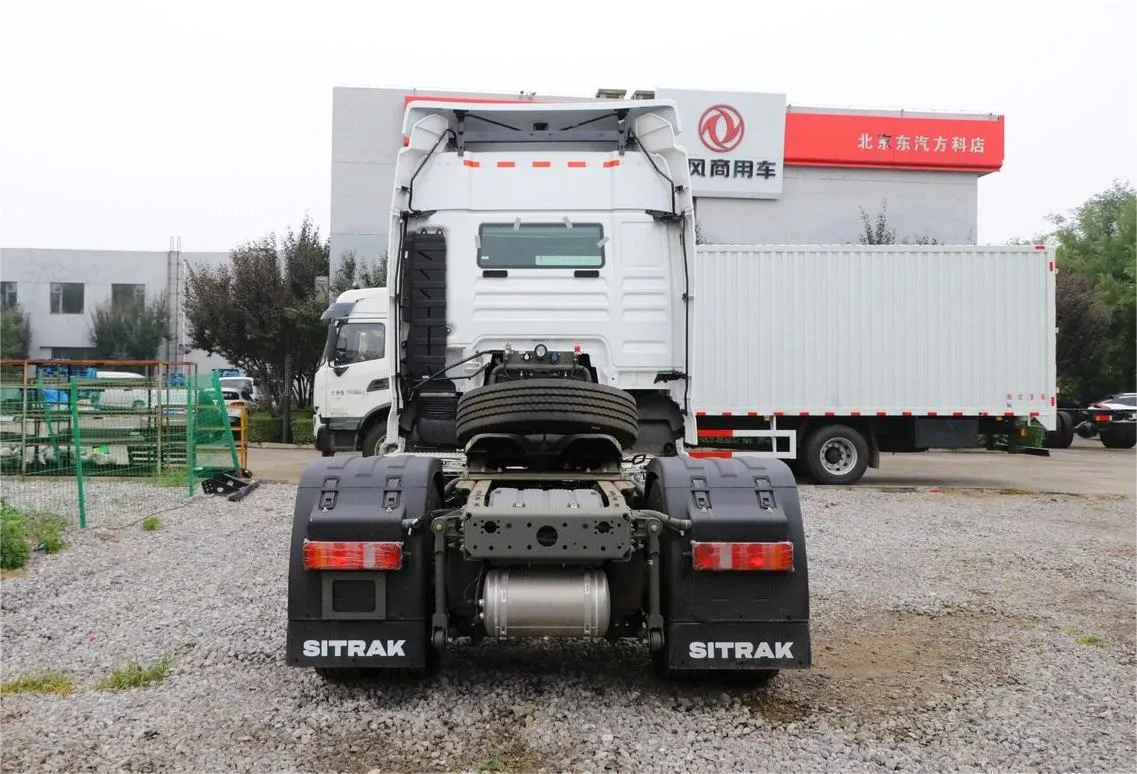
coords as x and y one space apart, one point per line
34 270
821 206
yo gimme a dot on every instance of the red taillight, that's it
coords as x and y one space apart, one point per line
1103 418
339 555
742 556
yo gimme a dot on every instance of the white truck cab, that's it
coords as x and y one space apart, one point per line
540 240
352 386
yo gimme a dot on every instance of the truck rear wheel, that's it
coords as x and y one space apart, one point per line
554 406
836 455
1124 437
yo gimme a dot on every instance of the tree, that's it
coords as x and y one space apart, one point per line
132 330
15 334
1083 324
353 273
876 230
237 310
1097 242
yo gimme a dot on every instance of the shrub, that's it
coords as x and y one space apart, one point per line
264 428
151 523
46 532
302 430
14 548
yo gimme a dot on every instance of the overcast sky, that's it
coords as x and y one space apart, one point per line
123 123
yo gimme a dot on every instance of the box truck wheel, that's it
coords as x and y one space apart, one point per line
836 454
1063 435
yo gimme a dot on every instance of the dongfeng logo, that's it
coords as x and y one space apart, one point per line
721 128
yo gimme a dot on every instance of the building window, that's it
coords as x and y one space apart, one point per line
8 295
128 294
67 298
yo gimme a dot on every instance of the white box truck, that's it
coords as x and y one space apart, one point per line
831 355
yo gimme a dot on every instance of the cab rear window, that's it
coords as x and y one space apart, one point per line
540 246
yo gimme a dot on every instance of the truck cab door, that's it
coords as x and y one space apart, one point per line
357 375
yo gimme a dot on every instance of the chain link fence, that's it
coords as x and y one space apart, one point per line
109 443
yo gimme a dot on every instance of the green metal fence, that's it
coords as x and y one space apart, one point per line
109 449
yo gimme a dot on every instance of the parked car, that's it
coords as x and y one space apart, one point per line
236 401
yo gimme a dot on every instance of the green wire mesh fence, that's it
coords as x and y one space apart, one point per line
102 447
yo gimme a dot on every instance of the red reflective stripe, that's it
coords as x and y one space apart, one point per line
882 413
507 163
542 164
957 413
854 413
751 413
716 434
933 414
722 455
1040 247
779 413
1033 414
905 413
1008 413
1052 400
577 164
984 414
1052 266
611 163
830 414
471 163
728 414
803 413
700 413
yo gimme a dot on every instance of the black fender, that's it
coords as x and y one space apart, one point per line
373 417
363 499
740 499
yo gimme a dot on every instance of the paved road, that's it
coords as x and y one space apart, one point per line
1085 468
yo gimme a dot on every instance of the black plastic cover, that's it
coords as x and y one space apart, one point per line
741 499
363 498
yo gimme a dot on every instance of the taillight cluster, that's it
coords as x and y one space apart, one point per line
343 555
742 556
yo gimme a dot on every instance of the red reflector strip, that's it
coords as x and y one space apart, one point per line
882 413
933 413
751 413
957 413
854 413
700 413
342 555
471 163
742 556
508 164
611 163
1033 414
577 164
542 164
716 433
721 455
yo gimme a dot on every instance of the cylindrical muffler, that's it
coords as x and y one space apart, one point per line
552 602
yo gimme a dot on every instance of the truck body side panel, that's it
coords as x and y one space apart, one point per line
880 330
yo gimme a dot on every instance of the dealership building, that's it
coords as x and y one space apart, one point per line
763 172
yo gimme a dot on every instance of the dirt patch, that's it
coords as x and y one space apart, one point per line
905 660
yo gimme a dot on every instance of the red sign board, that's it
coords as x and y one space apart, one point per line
894 142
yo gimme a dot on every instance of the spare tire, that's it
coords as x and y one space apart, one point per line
548 406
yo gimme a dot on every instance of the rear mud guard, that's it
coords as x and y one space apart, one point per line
731 619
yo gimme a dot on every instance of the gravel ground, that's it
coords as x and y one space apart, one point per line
952 631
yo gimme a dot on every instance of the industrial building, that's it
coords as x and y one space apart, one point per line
58 290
